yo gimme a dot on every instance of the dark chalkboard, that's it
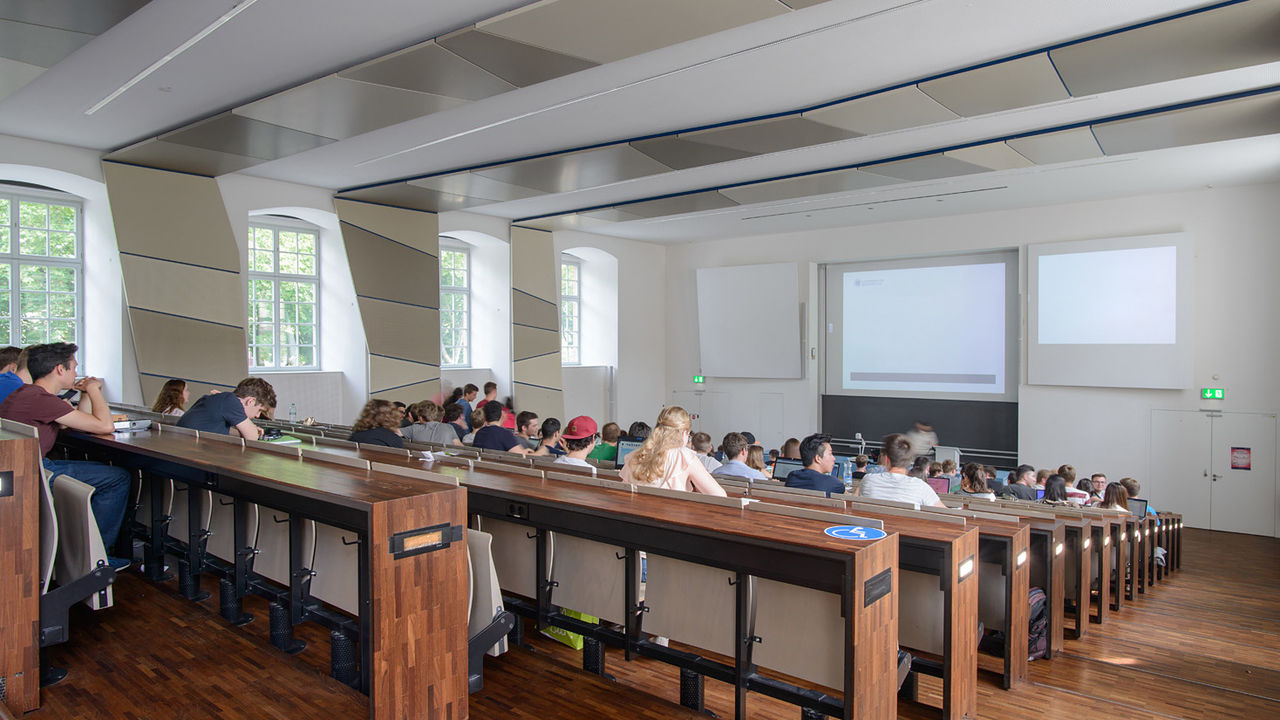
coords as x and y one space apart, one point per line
958 423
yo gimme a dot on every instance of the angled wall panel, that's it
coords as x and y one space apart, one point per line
535 323
181 267
395 266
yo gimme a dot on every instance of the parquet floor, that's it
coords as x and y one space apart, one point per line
1203 644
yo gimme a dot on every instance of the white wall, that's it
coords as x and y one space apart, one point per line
1237 296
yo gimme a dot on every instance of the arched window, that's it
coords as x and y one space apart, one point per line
284 294
570 310
455 305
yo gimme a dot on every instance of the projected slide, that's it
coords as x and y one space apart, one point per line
1110 297
925 329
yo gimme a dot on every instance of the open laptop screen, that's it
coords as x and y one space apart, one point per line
626 447
1138 508
784 467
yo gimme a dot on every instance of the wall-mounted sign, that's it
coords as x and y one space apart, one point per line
1241 458
1212 393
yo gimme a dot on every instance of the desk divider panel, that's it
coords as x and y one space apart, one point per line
322 456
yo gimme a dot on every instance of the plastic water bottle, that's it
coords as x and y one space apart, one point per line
293 412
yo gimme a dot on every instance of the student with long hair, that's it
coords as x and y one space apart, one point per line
172 398
973 481
791 449
1115 497
665 460
755 460
378 424
1055 490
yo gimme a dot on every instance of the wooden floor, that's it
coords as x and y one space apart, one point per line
1203 644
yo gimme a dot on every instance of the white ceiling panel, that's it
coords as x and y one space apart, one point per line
607 30
1016 83
1064 146
905 107
769 136
993 156
1246 117
14 74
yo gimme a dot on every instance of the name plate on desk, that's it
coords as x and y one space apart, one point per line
424 540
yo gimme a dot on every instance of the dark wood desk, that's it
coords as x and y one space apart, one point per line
414 614
20 579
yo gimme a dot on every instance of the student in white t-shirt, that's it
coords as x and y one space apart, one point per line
894 483
579 439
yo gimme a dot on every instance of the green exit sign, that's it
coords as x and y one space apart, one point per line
1212 393
699 379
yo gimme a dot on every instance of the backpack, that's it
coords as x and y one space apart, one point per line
1038 630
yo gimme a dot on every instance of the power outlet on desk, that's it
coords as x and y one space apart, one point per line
518 510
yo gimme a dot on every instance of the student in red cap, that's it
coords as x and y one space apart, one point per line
579 439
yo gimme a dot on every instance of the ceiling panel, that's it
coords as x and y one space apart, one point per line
517 63
1247 117
993 156
1015 83
768 136
410 196
38 45
91 18
472 185
809 185
574 171
235 135
14 74
905 107
429 68
336 107
182 158
1229 37
1063 146
680 154
801 4
572 221
926 167
606 30
678 205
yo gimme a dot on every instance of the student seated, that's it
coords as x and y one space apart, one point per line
701 443
491 395
1022 484
894 483
1055 491
463 397
815 453
453 417
172 398
579 438
550 441
973 482
755 461
1115 497
607 449
639 431
221 412
665 461
53 371
735 459
791 449
477 421
860 463
427 426
378 424
1132 487
492 436
527 429
1097 486
10 380
1074 494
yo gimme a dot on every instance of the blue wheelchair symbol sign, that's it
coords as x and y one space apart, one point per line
855 532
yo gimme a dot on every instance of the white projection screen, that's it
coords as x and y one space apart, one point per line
749 321
942 327
1113 312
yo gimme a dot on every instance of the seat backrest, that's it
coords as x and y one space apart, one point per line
514 554
486 596
80 548
590 577
801 633
48 516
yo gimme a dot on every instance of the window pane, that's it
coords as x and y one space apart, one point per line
62 279
33 215
62 217
307 243
35 304
62 331
264 356
306 335
264 312
306 292
4 276
306 356
288 241
4 233
263 290
289 263
307 265
307 313
288 314
34 332
35 277
264 334
62 306
263 239
263 261
5 217
4 311
33 242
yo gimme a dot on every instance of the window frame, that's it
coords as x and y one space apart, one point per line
456 246
277 224
15 195
565 261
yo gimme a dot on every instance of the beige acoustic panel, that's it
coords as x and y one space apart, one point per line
534 311
517 63
425 389
531 342
572 221
384 268
181 158
429 68
678 205
180 289
92 18
236 135
547 402
801 4
1011 84
926 167
415 228
402 331
544 368
608 30
1246 117
14 75
404 195
993 156
769 136
185 348
473 185
806 186
389 372
1235 36
1057 147
905 107
577 170
38 45
535 267
336 107
170 215
679 154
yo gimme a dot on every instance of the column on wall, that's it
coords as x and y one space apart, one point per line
535 323
395 266
181 267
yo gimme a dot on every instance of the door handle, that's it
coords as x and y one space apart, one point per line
1216 477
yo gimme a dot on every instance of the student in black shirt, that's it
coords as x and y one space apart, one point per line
378 424
815 453
1022 484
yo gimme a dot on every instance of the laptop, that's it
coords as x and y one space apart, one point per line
626 447
784 467
131 426
1039 493
1138 508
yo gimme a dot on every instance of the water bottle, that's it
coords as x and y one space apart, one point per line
293 413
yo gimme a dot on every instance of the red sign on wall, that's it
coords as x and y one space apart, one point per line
1241 458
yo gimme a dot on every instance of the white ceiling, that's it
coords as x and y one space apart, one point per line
832 50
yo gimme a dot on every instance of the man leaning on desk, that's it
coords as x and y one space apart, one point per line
53 371
223 412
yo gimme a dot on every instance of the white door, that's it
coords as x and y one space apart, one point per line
1180 482
1244 473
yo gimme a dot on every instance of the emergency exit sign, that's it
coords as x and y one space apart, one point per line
699 379
1212 393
